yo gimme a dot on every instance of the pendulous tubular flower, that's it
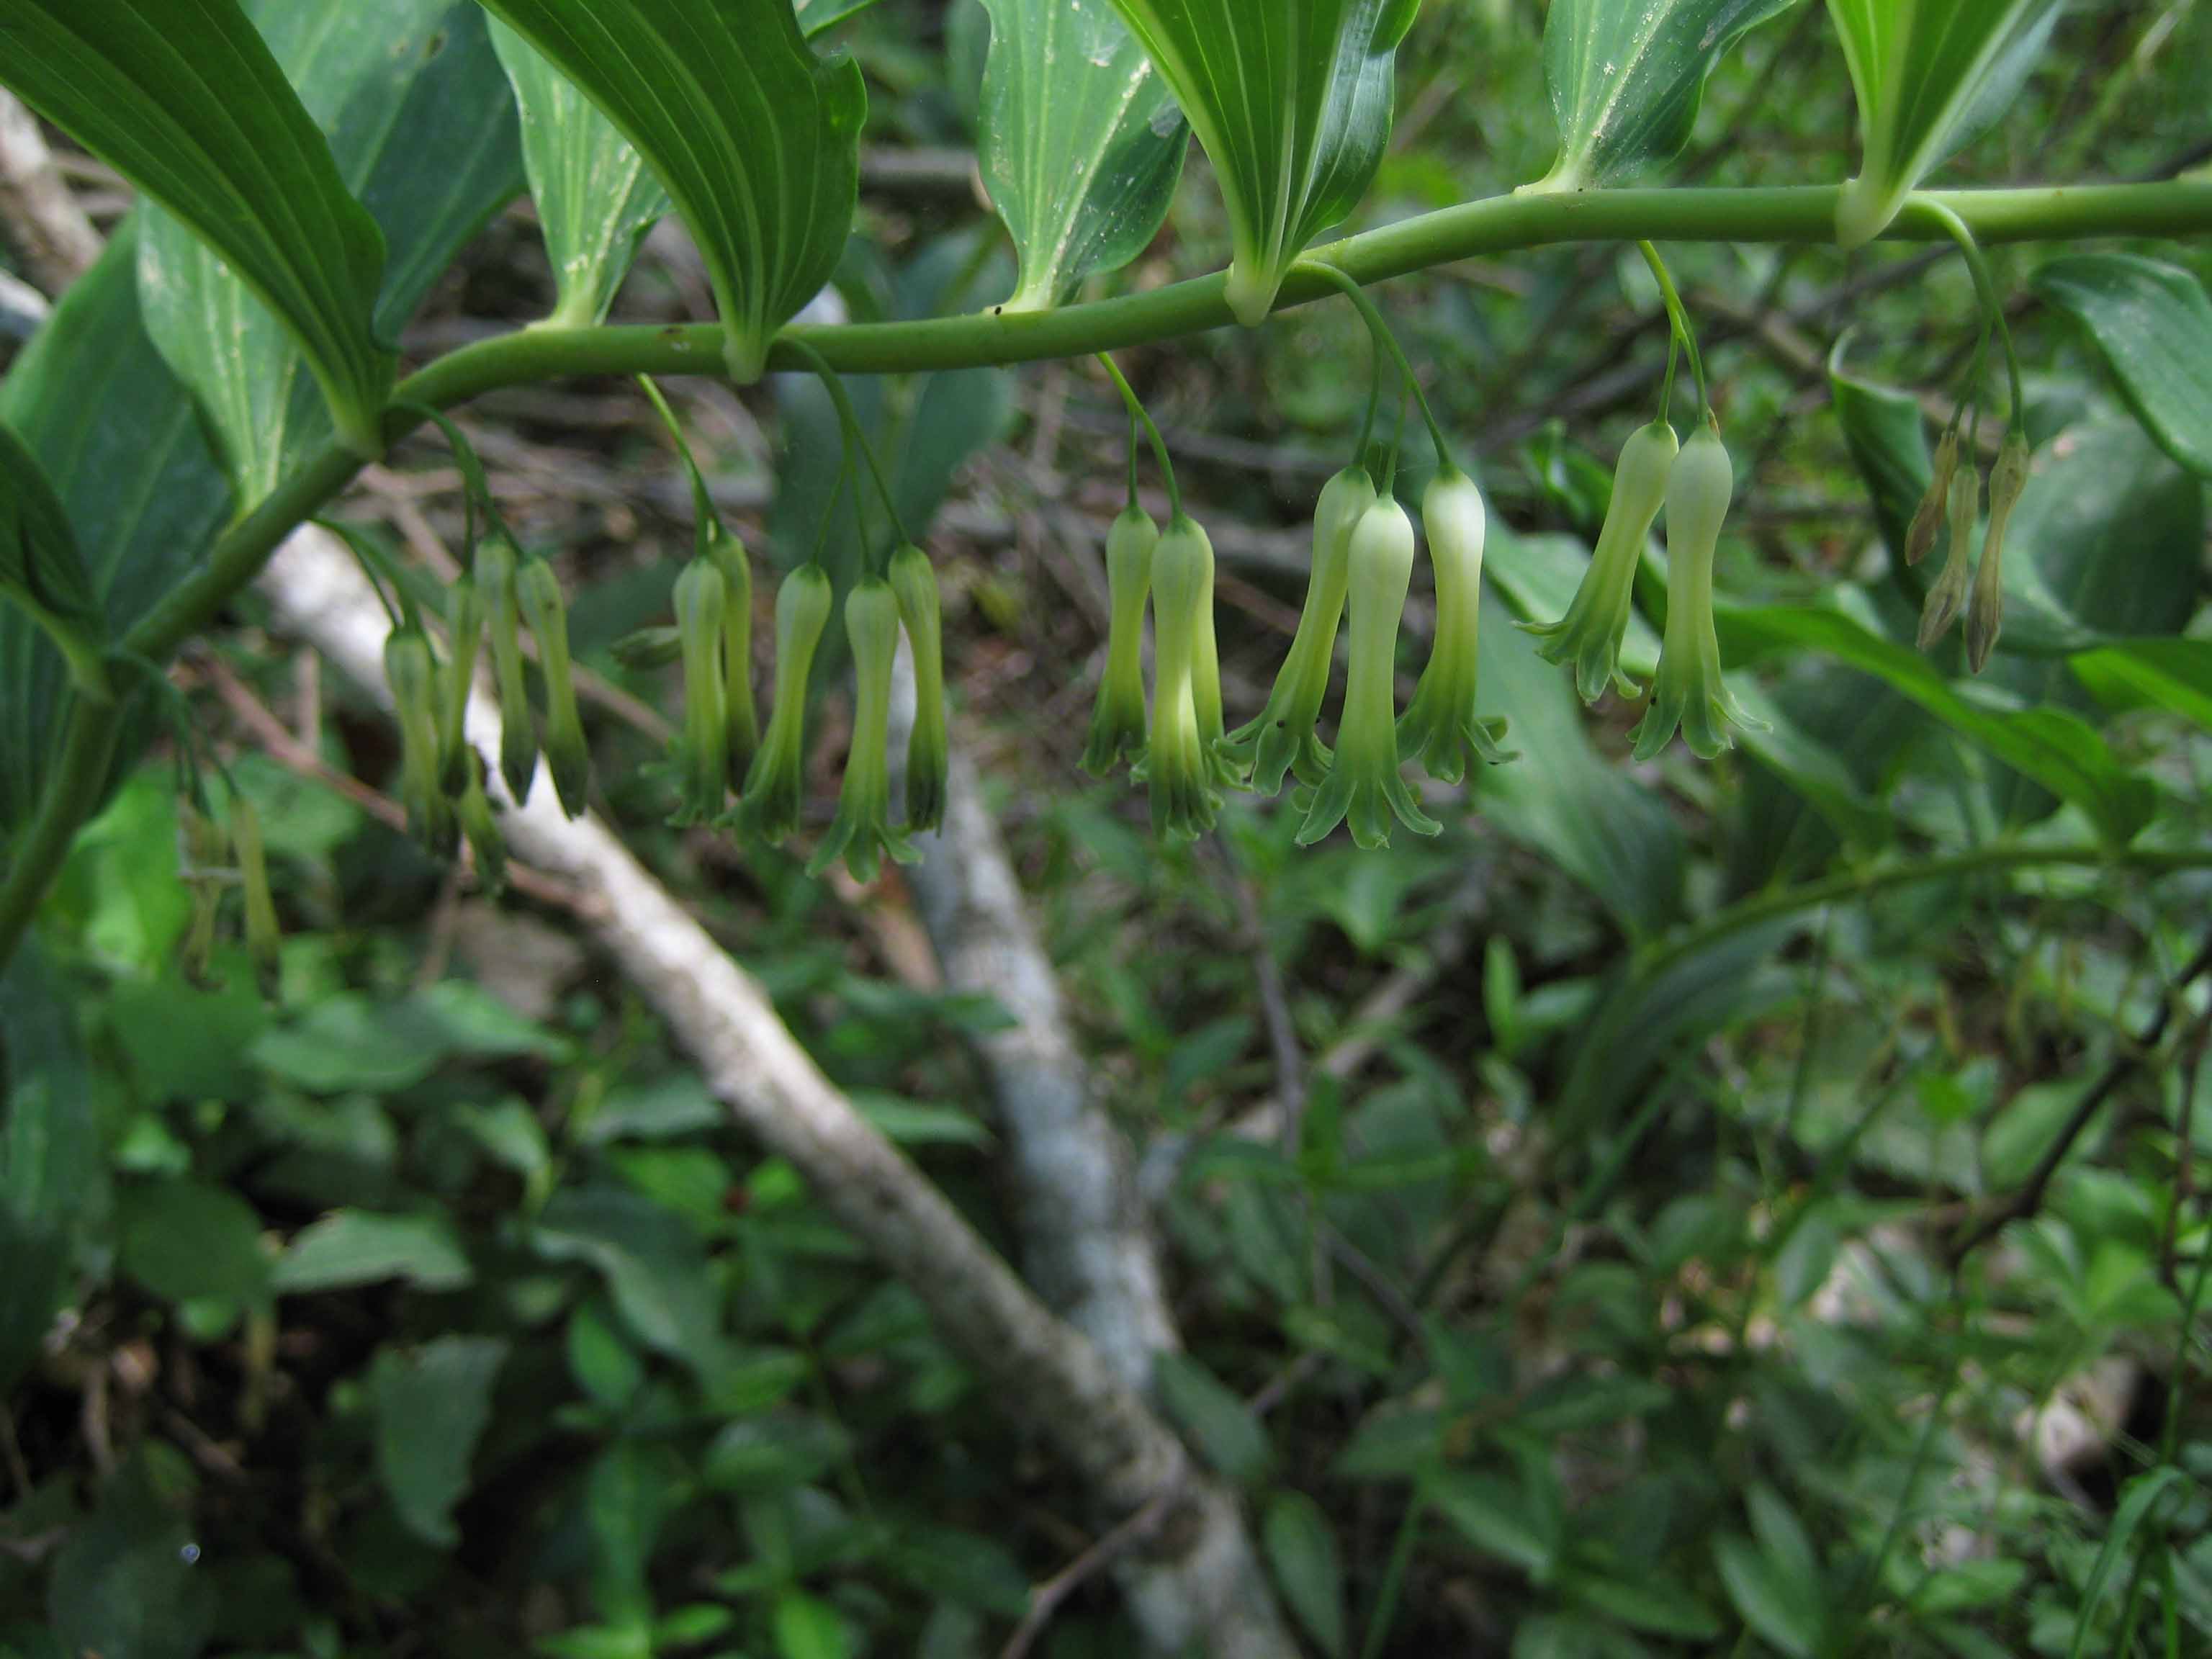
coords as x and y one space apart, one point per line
1117 719
201 849
703 762
862 832
727 554
1949 592
264 943
1596 622
775 784
1365 785
412 676
1440 728
1691 693
1985 614
567 756
929 753
465 614
1283 739
497 563
1178 765
1920 539
480 825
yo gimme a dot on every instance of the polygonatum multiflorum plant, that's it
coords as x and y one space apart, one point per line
285 235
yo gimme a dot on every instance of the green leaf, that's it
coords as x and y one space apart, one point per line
420 129
807 1627
755 138
2172 674
1627 77
1216 1419
1929 75
189 104
431 1404
1082 145
1497 1519
1774 1584
595 198
356 1246
1887 436
2049 745
187 1241
1292 101
41 568
653 1265
122 445
128 1584
2154 327
1659 1606
1307 1567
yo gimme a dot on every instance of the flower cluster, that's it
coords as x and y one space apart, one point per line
1954 501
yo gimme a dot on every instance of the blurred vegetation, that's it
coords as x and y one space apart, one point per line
1602 1302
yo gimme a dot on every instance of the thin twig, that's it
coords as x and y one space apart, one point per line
1045 1600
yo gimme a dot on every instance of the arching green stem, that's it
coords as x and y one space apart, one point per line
1985 287
855 437
1677 319
1385 341
1142 417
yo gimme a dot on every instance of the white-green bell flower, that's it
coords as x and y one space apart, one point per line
928 748
1691 693
1117 719
1440 729
1284 740
1178 766
465 615
1365 785
1942 606
411 673
498 563
776 786
727 554
1596 622
567 756
862 832
1986 612
703 754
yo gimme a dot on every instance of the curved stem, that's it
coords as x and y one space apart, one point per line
1677 317
1985 287
854 435
1139 416
1385 340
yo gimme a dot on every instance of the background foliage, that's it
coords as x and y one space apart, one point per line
1600 1298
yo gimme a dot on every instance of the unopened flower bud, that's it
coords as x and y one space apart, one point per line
411 673
1284 740
498 563
1440 728
466 616
1691 694
1365 785
775 784
480 825
649 648
1178 766
1949 593
1117 719
1596 622
264 943
201 847
1920 539
928 750
728 555
1985 614
862 832
567 756
703 760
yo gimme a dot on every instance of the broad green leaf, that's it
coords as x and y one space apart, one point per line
189 104
807 1627
595 198
756 139
2051 746
1497 1518
127 1584
1660 1606
2173 674
1887 436
653 1265
1784 1610
1082 145
1929 75
820 16
50 1155
122 445
420 129
431 1404
1216 1419
358 1247
1627 77
42 569
1308 1566
2153 326
188 1242
1292 101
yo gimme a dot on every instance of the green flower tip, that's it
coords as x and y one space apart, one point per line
1440 729
1365 787
1283 739
498 561
1117 719
727 554
862 832
1590 635
567 756
929 750
1985 614
411 674
776 783
1691 694
1928 518
1179 766
1963 511
703 751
